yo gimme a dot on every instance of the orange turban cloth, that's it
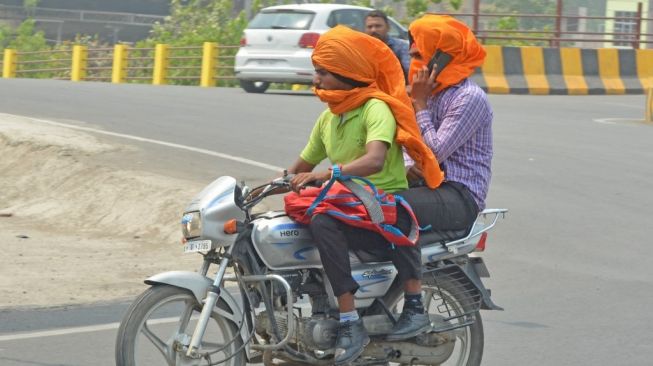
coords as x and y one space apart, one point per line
360 57
442 32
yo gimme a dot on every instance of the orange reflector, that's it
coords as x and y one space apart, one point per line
480 247
183 241
231 227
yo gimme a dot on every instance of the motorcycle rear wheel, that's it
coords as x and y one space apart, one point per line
469 340
151 328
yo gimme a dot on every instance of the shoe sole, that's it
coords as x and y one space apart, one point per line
355 355
415 333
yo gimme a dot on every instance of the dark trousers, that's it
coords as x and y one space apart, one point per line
449 207
334 239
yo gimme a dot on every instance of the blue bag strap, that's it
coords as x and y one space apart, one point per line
336 173
369 200
413 235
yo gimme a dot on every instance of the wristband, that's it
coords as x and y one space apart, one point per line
336 171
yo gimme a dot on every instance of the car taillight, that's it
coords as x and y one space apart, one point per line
480 246
309 40
243 42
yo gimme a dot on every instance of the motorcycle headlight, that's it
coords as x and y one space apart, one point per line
191 225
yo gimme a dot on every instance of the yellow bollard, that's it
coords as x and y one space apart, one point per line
9 62
649 105
160 64
78 70
209 57
119 69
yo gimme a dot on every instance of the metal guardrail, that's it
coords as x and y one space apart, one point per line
204 65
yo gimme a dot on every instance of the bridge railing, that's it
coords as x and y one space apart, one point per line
84 16
626 29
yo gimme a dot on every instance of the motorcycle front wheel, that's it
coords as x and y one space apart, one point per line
156 324
444 296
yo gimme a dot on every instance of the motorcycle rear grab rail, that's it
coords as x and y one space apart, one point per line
451 246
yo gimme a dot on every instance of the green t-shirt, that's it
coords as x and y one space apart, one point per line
342 139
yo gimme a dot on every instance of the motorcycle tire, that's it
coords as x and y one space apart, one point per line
142 317
471 336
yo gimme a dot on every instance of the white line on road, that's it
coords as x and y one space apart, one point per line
86 329
158 142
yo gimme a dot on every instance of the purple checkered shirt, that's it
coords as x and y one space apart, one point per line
457 126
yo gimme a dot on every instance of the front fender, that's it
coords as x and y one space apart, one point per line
195 282
199 285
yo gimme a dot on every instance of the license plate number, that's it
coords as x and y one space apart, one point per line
267 62
197 246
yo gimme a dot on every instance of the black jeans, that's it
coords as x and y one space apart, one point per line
334 239
449 207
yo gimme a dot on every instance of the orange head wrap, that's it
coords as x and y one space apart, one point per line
360 57
442 32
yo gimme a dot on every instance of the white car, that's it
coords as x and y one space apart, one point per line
279 40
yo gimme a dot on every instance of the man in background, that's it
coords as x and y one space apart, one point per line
377 25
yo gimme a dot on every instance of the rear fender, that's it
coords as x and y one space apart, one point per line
471 268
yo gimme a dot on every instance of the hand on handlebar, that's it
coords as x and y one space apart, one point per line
302 180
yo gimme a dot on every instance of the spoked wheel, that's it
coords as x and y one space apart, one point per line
448 299
156 324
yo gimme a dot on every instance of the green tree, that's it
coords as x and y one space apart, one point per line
26 38
193 22
416 8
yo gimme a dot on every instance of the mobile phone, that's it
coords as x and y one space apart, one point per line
441 59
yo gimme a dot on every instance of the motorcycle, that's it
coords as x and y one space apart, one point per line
270 301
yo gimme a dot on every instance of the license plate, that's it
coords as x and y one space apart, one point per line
267 62
197 246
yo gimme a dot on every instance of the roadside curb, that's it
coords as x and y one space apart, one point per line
565 71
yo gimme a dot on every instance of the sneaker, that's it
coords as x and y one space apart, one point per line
409 325
352 339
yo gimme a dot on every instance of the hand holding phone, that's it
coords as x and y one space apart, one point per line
439 61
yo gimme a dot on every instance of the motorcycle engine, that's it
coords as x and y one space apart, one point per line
317 332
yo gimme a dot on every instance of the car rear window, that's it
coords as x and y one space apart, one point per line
282 19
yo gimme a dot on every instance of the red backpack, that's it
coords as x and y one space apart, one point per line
356 205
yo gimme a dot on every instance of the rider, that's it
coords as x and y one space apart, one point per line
369 116
455 118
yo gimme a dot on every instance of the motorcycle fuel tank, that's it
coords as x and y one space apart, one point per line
284 244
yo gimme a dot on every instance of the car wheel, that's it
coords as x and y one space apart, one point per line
254 86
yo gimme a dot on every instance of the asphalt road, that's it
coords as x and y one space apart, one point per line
569 264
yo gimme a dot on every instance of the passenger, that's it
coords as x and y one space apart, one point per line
455 119
369 119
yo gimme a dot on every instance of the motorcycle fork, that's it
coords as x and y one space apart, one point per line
213 294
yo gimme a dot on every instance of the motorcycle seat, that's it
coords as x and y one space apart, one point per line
427 238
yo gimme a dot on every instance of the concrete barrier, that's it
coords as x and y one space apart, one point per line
539 70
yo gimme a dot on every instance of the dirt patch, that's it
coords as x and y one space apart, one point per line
74 230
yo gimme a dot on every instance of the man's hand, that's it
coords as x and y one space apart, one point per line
422 87
414 173
300 180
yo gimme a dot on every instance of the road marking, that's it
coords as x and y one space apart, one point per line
619 121
76 330
157 142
